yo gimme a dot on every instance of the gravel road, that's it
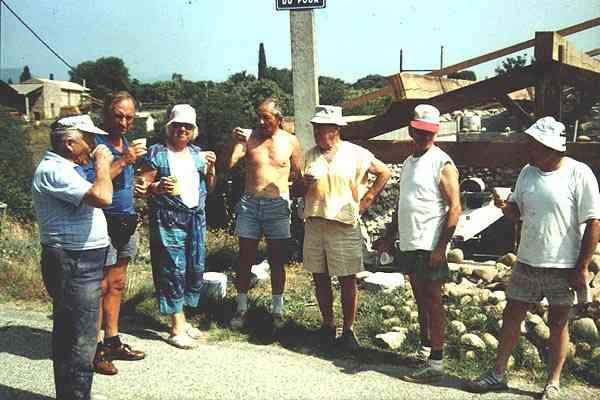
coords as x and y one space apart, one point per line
218 370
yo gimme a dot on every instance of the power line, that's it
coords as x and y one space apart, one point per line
37 36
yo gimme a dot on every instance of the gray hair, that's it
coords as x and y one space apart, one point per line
60 134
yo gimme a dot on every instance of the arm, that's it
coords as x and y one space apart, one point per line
211 172
134 151
382 173
451 193
100 193
591 236
509 209
299 186
236 149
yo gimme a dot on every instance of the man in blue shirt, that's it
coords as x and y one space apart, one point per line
119 114
74 243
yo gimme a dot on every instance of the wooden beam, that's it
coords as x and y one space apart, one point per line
480 59
512 49
593 53
399 113
548 48
509 154
515 109
386 91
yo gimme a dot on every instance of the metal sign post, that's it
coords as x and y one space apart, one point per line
304 65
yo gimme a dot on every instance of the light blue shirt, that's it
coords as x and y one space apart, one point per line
64 220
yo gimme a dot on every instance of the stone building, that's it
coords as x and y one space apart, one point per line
38 99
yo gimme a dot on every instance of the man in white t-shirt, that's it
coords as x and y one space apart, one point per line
556 198
425 220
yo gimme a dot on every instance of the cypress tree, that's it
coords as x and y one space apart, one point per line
262 63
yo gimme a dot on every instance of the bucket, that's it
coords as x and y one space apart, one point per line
471 123
215 285
472 184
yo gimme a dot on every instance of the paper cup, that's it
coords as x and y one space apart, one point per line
142 141
503 193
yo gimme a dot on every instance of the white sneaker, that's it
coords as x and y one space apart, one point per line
193 332
182 341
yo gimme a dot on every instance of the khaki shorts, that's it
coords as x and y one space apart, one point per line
530 285
332 248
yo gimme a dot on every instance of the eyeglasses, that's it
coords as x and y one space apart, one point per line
182 125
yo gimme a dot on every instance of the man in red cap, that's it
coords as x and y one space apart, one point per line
425 220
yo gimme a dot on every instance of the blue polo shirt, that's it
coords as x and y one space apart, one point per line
122 184
64 220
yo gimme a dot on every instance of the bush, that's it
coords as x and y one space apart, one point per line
16 164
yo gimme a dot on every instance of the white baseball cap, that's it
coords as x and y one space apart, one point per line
426 118
549 132
328 115
82 122
183 113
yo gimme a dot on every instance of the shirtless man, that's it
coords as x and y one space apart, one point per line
272 157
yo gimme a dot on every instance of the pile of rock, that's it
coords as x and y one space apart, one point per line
474 303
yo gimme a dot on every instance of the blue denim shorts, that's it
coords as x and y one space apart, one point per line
126 251
258 216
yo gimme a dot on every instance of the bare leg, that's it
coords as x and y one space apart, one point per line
276 250
248 253
559 341
115 277
349 300
324 296
514 314
420 298
178 324
435 312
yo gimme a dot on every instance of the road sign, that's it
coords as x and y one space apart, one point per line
284 5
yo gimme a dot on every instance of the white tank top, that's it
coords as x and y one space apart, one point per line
421 206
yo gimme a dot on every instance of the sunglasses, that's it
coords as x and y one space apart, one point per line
182 125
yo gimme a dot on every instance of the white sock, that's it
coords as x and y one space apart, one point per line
277 304
436 364
242 302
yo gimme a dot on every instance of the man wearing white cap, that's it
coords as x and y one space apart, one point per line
336 195
272 157
425 220
556 198
74 242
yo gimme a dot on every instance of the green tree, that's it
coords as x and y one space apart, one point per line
102 76
511 63
467 75
262 62
371 82
51 76
25 75
16 165
332 90
283 78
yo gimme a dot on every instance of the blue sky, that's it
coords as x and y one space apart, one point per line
211 39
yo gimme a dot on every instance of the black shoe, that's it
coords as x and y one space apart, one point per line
326 336
348 341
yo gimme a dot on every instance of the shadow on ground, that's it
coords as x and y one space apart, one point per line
7 392
24 341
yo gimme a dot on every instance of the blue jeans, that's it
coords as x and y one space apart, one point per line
262 215
73 279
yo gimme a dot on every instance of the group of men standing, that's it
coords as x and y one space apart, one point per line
556 199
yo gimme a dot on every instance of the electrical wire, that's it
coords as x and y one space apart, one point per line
36 35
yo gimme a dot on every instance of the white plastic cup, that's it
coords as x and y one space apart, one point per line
142 141
503 193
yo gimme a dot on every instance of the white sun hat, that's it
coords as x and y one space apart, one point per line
328 115
549 132
183 113
82 122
